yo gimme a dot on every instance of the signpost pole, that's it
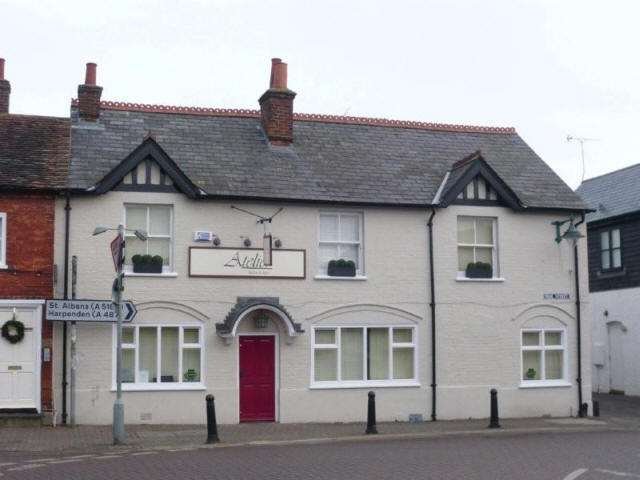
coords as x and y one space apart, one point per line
118 406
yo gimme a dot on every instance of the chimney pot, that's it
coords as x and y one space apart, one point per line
278 74
5 90
90 76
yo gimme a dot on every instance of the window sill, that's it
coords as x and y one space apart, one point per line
161 275
327 277
155 387
3 266
544 384
494 279
362 384
613 273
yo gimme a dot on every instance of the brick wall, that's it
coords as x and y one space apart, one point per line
29 250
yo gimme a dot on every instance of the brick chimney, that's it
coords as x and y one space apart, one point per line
276 106
5 90
89 96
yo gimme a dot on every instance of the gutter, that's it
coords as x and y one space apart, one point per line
432 304
582 410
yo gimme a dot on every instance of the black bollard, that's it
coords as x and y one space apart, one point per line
371 414
596 408
494 423
212 427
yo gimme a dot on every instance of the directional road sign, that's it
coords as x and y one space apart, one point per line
88 310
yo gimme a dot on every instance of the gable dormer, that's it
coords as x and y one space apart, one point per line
472 181
148 169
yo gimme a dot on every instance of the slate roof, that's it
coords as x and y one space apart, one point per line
332 160
612 194
34 152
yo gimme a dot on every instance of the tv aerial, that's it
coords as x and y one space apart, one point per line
581 140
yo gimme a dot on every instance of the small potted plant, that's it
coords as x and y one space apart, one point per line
190 375
531 374
342 268
147 263
479 270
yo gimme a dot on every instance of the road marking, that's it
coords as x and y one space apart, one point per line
6 464
69 460
143 453
40 460
619 474
575 474
185 449
26 467
81 456
106 457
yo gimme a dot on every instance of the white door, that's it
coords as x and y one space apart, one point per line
616 357
19 367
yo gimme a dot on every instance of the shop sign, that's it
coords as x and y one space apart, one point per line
245 263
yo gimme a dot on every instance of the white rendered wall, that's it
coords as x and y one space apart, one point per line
478 323
621 306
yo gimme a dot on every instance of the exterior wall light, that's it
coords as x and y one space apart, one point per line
247 241
277 242
572 233
216 241
261 320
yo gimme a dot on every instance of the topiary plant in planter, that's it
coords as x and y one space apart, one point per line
479 270
147 263
341 268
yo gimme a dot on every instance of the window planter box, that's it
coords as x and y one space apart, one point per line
147 268
341 271
479 272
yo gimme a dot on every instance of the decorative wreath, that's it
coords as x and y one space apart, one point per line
13 330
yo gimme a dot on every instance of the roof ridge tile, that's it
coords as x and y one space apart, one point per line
302 117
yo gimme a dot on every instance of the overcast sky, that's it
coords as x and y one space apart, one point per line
547 68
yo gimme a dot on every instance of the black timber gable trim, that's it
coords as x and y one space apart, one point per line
476 167
148 149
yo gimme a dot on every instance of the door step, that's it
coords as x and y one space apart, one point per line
20 418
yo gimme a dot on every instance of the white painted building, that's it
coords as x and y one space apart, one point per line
291 341
614 278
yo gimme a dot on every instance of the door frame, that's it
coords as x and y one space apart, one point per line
623 330
36 305
276 366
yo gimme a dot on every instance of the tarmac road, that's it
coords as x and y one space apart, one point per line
608 455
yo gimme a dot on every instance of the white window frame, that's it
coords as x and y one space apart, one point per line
494 245
3 240
610 249
166 269
158 384
562 382
360 267
389 382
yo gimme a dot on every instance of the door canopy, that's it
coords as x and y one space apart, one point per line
245 305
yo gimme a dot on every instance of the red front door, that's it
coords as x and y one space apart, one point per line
257 378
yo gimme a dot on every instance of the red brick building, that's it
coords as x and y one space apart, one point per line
34 155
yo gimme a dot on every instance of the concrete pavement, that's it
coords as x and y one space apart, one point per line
618 413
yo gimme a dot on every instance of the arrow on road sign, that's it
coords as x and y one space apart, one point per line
129 310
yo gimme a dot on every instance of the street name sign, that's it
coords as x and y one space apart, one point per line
88 311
